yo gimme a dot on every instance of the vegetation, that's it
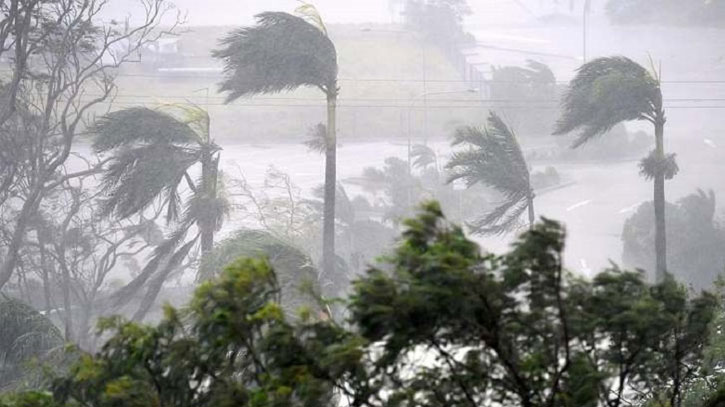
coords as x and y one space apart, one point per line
533 86
26 335
152 152
696 239
495 159
515 329
284 52
607 91
294 307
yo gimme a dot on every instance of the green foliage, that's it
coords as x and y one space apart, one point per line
295 270
519 330
437 324
28 399
231 346
695 239
25 335
493 158
282 52
607 91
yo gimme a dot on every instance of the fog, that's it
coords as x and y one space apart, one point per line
147 144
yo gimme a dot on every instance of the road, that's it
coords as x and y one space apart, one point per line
594 207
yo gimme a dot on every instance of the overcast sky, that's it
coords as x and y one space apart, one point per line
241 12
235 12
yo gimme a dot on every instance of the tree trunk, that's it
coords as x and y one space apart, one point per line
659 204
11 255
328 229
209 171
530 204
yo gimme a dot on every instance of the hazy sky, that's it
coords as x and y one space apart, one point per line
236 12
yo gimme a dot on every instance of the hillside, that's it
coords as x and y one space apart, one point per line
384 71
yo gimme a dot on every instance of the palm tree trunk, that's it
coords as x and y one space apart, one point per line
659 204
328 227
209 170
530 204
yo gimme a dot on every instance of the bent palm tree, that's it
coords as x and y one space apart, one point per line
607 91
494 158
284 52
153 151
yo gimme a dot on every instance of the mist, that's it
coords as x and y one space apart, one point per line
329 202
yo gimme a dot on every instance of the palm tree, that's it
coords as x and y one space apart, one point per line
607 91
298 279
284 52
153 152
494 158
25 334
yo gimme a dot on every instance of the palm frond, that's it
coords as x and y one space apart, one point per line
493 158
317 139
309 12
137 176
139 125
194 116
282 52
293 267
540 73
607 91
503 219
25 332
210 210
160 253
422 156
652 165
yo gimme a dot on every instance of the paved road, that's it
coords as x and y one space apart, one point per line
594 208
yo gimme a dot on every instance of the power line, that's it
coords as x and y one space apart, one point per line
393 106
401 100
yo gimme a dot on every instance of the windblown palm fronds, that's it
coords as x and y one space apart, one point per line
282 52
24 334
494 159
607 91
423 156
317 139
152 153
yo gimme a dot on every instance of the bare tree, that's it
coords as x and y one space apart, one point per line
67 74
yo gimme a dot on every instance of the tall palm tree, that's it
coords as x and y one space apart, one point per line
153 152
607 91
494 158
284 52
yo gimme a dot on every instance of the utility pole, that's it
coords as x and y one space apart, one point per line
585 12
